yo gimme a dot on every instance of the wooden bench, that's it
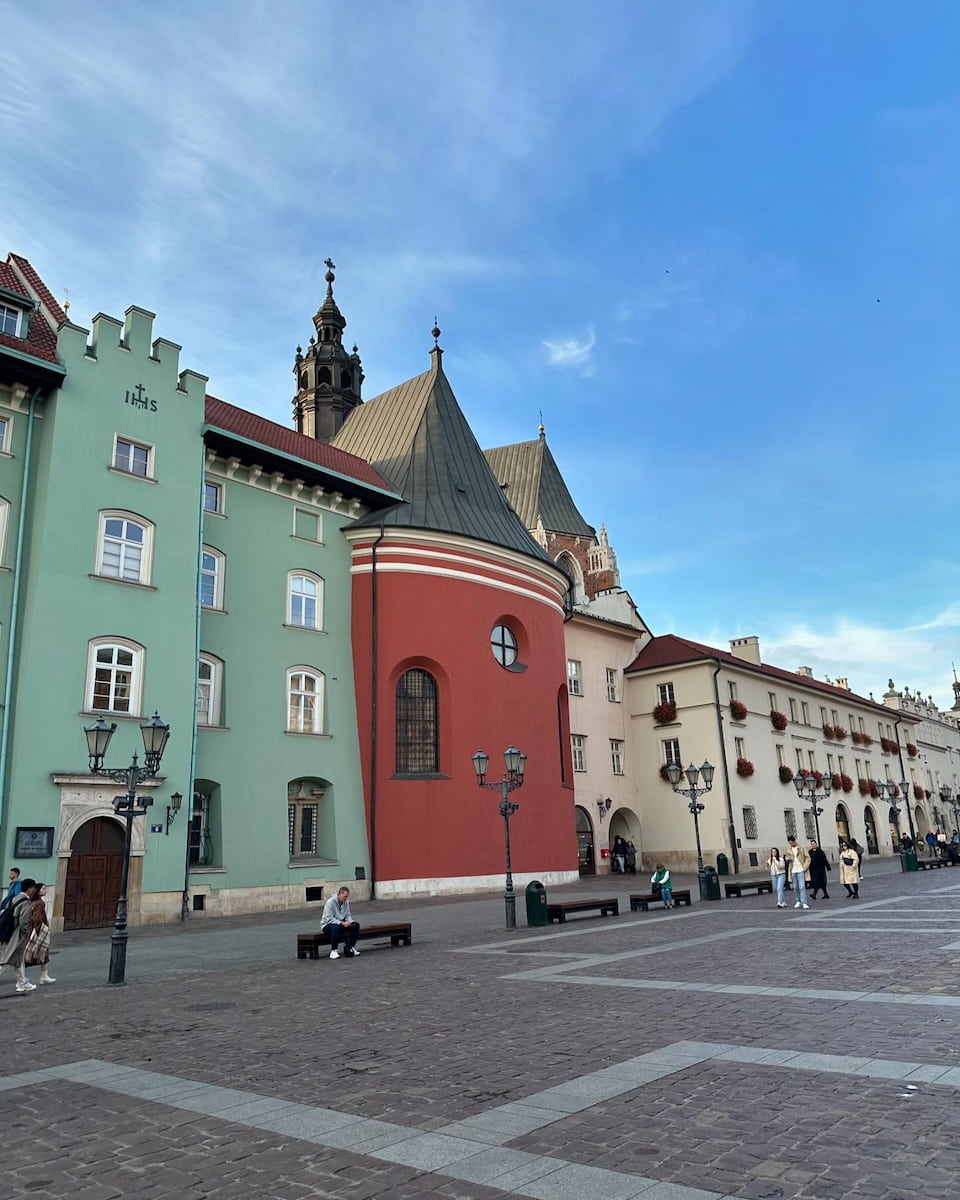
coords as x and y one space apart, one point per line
400 934
924 863
559 910
641 901
736 889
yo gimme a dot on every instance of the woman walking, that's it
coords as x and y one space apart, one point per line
819 866
778 874
37 953
850 870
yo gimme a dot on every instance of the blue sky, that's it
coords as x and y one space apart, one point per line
715 242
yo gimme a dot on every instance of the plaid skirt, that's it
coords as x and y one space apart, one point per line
37 953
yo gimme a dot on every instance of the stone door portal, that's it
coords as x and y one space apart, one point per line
93 875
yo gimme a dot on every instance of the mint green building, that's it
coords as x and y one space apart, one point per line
161 550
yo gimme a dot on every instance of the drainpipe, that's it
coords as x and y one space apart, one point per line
185 899
732 829
374 681
15 606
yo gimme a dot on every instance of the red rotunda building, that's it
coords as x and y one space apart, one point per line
458 637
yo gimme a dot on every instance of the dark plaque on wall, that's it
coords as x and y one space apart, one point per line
34 842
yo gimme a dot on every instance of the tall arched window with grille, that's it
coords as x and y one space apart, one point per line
418 741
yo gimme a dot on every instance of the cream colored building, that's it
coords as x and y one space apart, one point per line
754 804
933 767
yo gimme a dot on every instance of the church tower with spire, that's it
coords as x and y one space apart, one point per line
328 378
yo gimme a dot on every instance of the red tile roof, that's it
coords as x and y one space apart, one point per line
41 339
669 650
287 441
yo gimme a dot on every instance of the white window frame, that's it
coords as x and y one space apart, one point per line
212 686
613 685
146 551
574 677
578 752
318 599
18 314
217 488
812 760
781 761
218 572
6 434
296 722
666 693
295 811
136 675
616 756
799 754
805 712
129 441
4 525
792 705
739 748
772 697
671 752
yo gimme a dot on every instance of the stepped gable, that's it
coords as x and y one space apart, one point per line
248 425
669 650
534 486
417 436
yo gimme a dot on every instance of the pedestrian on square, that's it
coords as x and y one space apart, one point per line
850 870
12 950
619 853
931 842
13 889
819 866
778 874
798 860
37 952
337 924
660 880
630 859
858 851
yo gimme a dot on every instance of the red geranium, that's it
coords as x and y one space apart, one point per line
666 712
738 710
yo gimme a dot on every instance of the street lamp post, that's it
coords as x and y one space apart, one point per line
947 797
696 808
908 801
155 735
515 763
808 790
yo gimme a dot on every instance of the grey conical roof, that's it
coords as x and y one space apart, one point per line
534 486
418 438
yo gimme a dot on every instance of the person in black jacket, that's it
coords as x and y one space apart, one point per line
819 866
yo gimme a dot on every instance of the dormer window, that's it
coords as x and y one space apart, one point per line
10 320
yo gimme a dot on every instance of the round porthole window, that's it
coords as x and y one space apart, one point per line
504 645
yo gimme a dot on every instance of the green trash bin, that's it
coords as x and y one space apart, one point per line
536 895
723 864
908 860
709 884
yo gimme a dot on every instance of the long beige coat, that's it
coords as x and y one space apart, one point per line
849 874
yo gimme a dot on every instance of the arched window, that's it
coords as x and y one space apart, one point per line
323 375
346 379
304 700
575 571
211 578
305 599
209 683
114 676
418 743
124 545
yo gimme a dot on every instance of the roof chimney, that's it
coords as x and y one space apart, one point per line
747 648
841 681
806 672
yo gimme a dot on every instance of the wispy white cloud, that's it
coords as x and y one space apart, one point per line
574 352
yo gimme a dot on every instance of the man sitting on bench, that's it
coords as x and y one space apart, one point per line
337 923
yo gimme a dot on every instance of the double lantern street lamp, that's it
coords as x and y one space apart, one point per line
888 791
813 792
947 797
155 734
693 792
515 764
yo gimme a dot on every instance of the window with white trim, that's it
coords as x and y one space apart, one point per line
830 767
732 687
209 677
790 822
4 525
739 748
811 760
304 701
135 458
666 693
805 712
578 747
124 545
772 697
671 752
10 319
840 764
858 768
809 826
793 709
114 676
613 685
212 498
800 766
304 600
616 756
750 823
780 759
574 677
303 819
5 435
823 715
211 578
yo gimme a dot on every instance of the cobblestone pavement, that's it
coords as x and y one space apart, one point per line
728 1050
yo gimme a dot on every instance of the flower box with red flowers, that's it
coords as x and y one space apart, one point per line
744 768
786 775
864 785
857 738
888 746
738 710
839 732
912 752
828 731
836 781
778 720
846 783
917 792
664 773
866 739
665 712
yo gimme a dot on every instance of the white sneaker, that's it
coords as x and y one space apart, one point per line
804 905
354 952
781 904
797 905
334 954
45 978
26 986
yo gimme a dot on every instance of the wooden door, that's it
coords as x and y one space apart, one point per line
93 875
